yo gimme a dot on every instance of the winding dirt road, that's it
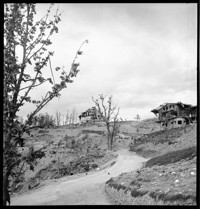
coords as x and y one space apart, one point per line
81 190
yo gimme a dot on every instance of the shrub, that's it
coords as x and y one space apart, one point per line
135 183
136 193
120 186
94 166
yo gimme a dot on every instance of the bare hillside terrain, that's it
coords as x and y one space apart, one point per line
77 165
168 178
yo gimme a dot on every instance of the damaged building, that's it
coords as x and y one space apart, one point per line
90 115
174 115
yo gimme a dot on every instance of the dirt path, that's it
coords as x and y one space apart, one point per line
82 190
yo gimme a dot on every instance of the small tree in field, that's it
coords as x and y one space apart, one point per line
23 75
43 120
109 114
137 117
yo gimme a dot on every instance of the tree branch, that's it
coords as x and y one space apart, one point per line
51 71
52 95
23 62
29 88
32 86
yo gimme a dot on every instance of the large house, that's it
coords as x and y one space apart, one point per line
89 115
173 115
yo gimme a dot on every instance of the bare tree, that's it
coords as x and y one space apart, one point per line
109 115
63 120
58 118
67 118
73 116
137 117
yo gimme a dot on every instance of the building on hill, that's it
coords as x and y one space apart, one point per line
90 115
173 115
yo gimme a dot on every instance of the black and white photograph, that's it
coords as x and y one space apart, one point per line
100 104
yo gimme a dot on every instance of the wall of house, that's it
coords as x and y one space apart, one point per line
164 111
193 114
174 123
89 115
85 119
177 122
169 111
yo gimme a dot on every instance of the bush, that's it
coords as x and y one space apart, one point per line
94 166
136 193
172 157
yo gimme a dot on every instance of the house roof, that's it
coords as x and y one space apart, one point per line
158 108
164 104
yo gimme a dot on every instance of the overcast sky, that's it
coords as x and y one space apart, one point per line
142 54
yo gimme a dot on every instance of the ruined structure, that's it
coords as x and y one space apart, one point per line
173 115
90 115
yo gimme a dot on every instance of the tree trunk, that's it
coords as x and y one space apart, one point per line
109 142
6 169
109 136
6 197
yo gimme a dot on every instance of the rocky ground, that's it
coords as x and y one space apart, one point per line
168 178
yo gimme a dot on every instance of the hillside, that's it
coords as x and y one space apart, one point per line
68 151
71 150
167 178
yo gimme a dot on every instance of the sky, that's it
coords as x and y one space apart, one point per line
142 54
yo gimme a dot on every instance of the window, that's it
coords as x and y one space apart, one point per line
172 122
179 122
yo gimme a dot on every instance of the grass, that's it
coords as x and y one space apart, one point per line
172 157
93 131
